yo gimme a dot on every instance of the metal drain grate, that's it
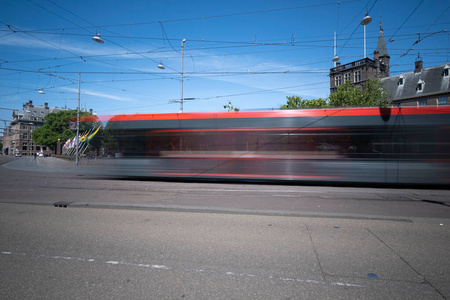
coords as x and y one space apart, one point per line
61 204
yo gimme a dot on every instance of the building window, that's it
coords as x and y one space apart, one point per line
38 148
25 136
422 102
420 85
44 148
357 76
338 80
24 146
442 100
347 77
401 80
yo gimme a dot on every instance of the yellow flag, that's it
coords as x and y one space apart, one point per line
92 134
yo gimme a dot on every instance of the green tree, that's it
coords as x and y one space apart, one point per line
372 93
297 102
346 95
97 141
56 127
375 94
110 139
230 107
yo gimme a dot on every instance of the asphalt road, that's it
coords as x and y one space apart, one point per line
132 239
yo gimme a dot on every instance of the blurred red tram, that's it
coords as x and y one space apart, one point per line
347 145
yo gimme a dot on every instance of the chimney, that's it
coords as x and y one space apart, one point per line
30 103
46 105
376 55
91 111
418 64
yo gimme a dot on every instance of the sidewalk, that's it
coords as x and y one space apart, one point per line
57 163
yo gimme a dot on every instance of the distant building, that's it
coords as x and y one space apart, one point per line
358 72
17 138
421 87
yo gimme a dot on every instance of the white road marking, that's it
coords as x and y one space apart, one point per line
163 267
196 270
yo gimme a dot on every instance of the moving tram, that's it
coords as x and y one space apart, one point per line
395 145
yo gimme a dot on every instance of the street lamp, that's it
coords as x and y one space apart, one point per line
366 20
335 58
97 38
181 98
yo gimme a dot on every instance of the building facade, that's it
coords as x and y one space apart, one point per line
17 138
421 87
358 72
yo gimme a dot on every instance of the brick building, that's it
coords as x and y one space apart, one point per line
421 87
17 138
360 71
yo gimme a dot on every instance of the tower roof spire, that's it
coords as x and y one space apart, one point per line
381 45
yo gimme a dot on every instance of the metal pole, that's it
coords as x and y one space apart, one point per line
334 49
181 98
31 140
364 41
78 118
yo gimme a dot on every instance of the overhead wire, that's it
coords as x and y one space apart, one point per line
240 44
212 16
390 39
358 14
109 40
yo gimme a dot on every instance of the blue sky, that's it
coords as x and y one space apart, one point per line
252 53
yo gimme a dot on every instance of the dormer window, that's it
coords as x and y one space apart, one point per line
420 85
446 68
401 80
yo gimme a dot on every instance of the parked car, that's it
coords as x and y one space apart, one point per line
18 155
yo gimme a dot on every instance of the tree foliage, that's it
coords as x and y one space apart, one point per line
230 107
57 126
375 94
298 102
110 139
347 95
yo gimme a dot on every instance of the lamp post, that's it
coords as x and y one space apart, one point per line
335 58
366 20
78 119
181 98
